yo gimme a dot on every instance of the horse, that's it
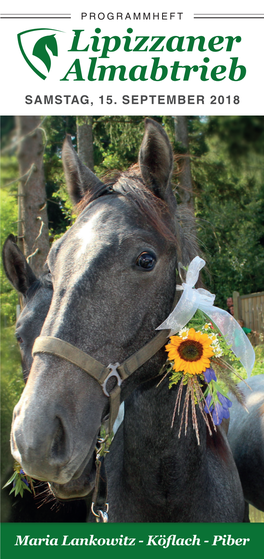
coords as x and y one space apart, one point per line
113 275
246 439
36 293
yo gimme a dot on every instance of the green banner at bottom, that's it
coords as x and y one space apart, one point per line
22 540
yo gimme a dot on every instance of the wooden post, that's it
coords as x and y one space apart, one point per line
236 304
85 140
185 176
33 232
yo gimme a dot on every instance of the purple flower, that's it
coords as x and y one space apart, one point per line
219 410
24 479
219 413
208 403
209 375
226 403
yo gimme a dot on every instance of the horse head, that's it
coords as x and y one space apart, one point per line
113 276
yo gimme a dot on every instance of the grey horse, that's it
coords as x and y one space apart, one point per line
113 275
36 293
246 439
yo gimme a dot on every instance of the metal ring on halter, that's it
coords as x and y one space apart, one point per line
102 516
113 373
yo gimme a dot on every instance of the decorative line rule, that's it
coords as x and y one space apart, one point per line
228 16
35 16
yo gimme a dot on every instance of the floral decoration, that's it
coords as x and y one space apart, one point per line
197 356
20 482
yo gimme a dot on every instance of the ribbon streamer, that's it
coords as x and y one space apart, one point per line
193 299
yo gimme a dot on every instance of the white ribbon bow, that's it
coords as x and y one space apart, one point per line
194 299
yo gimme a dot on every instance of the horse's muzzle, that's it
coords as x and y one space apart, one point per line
44 458
46 450
77 488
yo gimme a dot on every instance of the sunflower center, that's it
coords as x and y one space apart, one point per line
190 350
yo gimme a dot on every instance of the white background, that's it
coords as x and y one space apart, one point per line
18 79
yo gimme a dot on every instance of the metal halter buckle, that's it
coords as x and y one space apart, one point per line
113 373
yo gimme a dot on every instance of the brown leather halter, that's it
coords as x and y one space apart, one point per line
98 371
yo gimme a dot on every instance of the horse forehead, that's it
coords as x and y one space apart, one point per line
94 232
100 228
87 231
108 214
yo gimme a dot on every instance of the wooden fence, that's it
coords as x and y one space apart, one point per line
251 309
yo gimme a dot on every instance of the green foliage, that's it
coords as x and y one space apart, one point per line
11 377
240 134
59 203
19 481
229 205
116 140
8 224
258 368
11 389
6 129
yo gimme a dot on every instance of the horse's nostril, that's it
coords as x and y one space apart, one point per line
58 447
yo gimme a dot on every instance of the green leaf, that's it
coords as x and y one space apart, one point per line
17 489
40 49
10 480
27 488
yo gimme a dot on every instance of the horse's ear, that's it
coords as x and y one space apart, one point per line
78 177
156 158
17 270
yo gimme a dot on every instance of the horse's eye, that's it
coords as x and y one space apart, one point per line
146 261
18 338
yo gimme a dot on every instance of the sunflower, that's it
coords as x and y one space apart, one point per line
192 354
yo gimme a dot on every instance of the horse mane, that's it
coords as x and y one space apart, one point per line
156 211
130 184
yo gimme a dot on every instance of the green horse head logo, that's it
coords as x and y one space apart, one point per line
43 48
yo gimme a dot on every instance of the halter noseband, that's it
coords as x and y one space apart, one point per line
98 371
